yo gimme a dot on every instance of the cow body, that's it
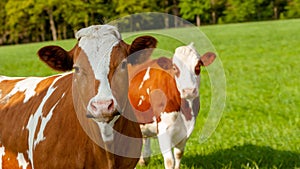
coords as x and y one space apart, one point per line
43 120
163 108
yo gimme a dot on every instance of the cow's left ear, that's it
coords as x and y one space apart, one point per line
57 58
141 49
204 60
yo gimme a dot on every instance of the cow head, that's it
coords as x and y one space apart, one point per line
98 60
187 66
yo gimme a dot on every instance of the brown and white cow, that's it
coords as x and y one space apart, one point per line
164 95
43 121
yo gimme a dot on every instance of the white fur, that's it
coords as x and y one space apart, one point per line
149 129
106 129
21 160
2 78
27 86
2 153
142 98
145 78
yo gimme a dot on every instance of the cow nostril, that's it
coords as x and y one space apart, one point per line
102 106
93 106
111 105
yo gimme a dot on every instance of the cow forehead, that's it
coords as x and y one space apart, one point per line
97 42
186 57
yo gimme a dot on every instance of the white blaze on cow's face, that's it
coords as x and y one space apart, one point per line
187 65
92 68
185 60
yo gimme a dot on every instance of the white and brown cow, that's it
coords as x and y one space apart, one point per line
43 121
165 98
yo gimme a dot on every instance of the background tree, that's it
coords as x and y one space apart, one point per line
237 10
191 9
18 20
217 8
293 9
128 7
3 29
278 7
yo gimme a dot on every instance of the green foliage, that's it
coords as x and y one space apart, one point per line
191 8
293 9
260 126
241 10
194 8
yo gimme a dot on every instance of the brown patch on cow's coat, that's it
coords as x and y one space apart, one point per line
186 109
165 63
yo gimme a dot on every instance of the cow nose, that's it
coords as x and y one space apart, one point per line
103 106
189 92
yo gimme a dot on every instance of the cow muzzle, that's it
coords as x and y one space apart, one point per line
102 111
189 93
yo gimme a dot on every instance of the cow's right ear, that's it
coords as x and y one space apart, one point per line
141 49
57 58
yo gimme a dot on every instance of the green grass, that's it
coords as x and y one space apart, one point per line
260 126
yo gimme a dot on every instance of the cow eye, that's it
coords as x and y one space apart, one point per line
176 70
124 64
76 69
197 70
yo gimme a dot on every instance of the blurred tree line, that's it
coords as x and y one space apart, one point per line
24 21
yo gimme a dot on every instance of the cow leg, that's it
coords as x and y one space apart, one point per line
166 149
167 136
146 153
178 152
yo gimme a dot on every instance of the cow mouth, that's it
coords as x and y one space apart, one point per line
103 116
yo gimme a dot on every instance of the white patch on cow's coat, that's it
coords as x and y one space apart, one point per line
2 153
97 42
171 130
45 120
146 77
167 120
21 160
34 120
148 91
27 86
140 102
106 129
142 98
149 129
2 78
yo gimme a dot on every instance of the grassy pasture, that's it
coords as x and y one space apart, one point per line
260 126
